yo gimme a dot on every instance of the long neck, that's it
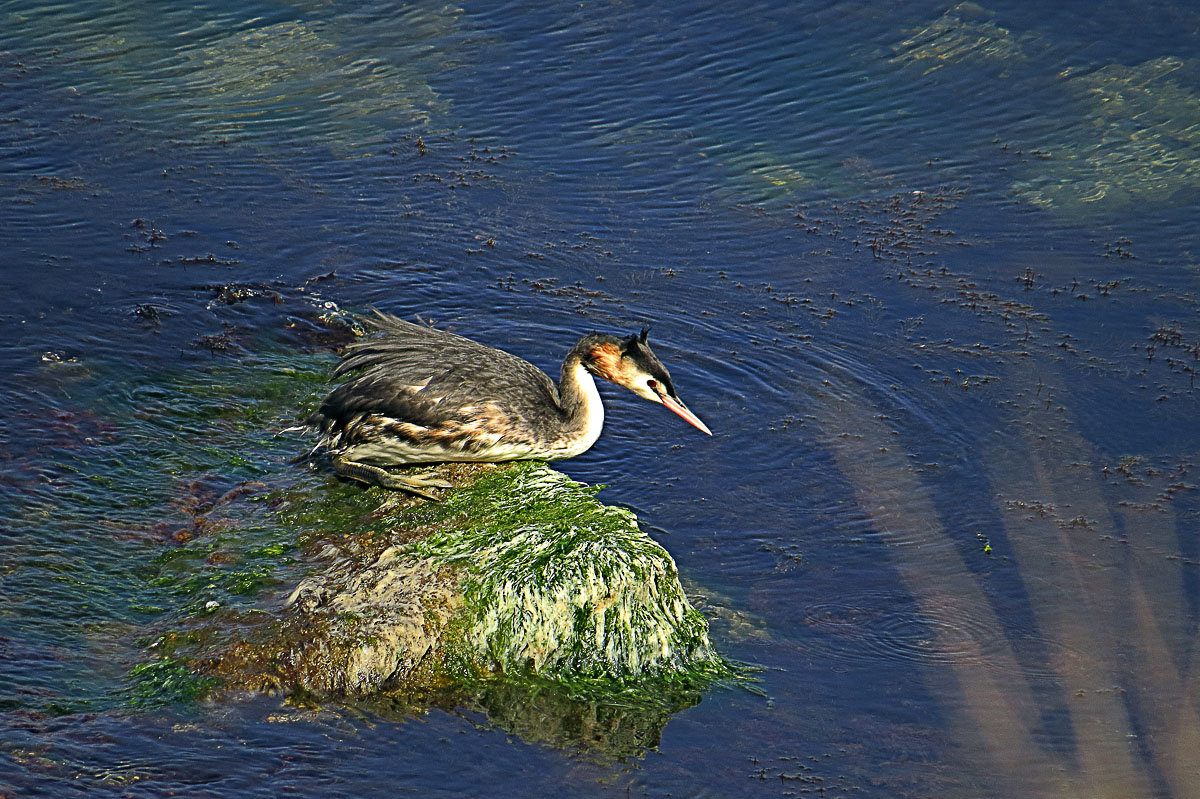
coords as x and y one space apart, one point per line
580 400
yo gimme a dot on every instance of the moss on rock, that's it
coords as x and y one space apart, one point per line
555 582
521 571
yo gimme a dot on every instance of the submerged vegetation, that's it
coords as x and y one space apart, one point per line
1133 137
167 680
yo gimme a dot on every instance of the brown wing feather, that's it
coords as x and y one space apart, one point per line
430 377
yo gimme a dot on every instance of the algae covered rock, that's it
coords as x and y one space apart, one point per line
555 582
520 572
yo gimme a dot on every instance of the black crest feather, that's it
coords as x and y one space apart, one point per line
635 342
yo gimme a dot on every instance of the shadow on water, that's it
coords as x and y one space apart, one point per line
928 272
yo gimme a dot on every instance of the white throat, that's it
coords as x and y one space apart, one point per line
593 413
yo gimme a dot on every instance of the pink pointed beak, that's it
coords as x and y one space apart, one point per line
679 408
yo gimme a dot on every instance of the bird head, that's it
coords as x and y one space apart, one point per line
630 362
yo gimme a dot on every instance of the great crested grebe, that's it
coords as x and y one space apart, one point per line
427 396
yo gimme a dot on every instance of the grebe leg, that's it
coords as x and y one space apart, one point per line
374 475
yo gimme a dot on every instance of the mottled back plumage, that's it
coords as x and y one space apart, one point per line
437 381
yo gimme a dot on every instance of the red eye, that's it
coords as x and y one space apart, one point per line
652 383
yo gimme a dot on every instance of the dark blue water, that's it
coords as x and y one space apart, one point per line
929 273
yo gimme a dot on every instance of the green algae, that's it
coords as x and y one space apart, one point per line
167 681
520 595
520 576
556 583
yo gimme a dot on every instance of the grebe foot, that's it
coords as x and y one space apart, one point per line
377 476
